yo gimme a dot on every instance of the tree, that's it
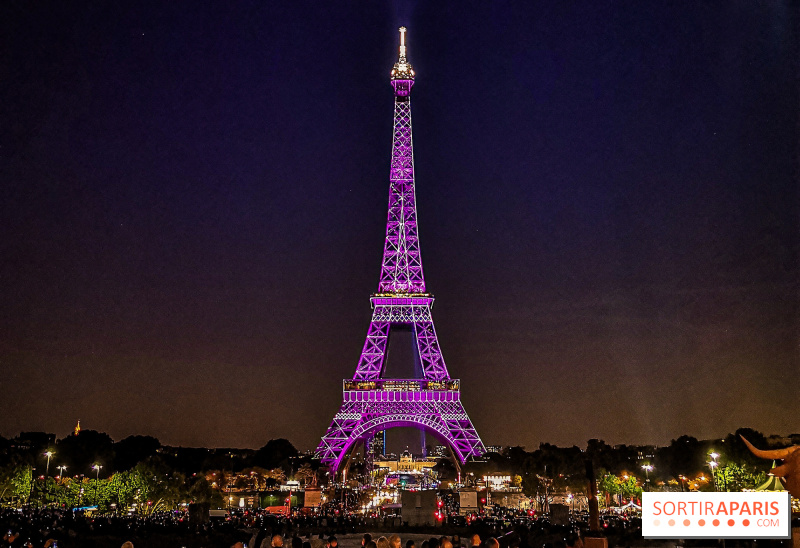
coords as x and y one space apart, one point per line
734 450
737 477
160 489
200 490
626 486
445 470
81 451
304 474
276 476
9 473
683 457
133 450
274 454
608 484
22 482
601 454
516 458
629 487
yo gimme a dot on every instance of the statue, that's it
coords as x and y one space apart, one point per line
789 470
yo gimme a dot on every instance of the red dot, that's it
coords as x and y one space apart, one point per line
701 522
715 522
746 522
731 522
671 522
686 522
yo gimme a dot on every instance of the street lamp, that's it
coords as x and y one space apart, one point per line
683 479
48 454
713 464
96 467
47 470
230 497
61 468
647 468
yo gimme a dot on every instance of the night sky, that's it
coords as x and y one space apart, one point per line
194 203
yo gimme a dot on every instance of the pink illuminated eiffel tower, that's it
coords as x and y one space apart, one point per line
372 403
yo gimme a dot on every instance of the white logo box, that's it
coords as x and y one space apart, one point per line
750 515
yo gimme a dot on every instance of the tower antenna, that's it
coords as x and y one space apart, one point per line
402 44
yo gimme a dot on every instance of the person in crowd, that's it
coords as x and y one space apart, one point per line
394 541
574 541
410 544
492 542
365 539
382 542
129 544
476 540
277 541
332 542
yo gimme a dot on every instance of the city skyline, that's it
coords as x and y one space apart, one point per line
196 205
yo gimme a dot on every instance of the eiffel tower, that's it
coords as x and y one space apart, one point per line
433 401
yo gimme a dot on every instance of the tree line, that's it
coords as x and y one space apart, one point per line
624 470
89 468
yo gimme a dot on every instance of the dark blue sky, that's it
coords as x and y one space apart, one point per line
194 199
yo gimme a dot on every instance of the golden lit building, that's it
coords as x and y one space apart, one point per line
406 464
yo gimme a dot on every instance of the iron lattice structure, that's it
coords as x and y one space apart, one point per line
433 401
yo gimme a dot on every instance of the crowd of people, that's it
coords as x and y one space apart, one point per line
53 528
260 540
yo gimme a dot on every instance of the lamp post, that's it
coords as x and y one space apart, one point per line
61 472
683 479
47 470
48 454
647 468
96 468
230 496
713 465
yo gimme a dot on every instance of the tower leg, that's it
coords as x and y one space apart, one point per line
373 354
